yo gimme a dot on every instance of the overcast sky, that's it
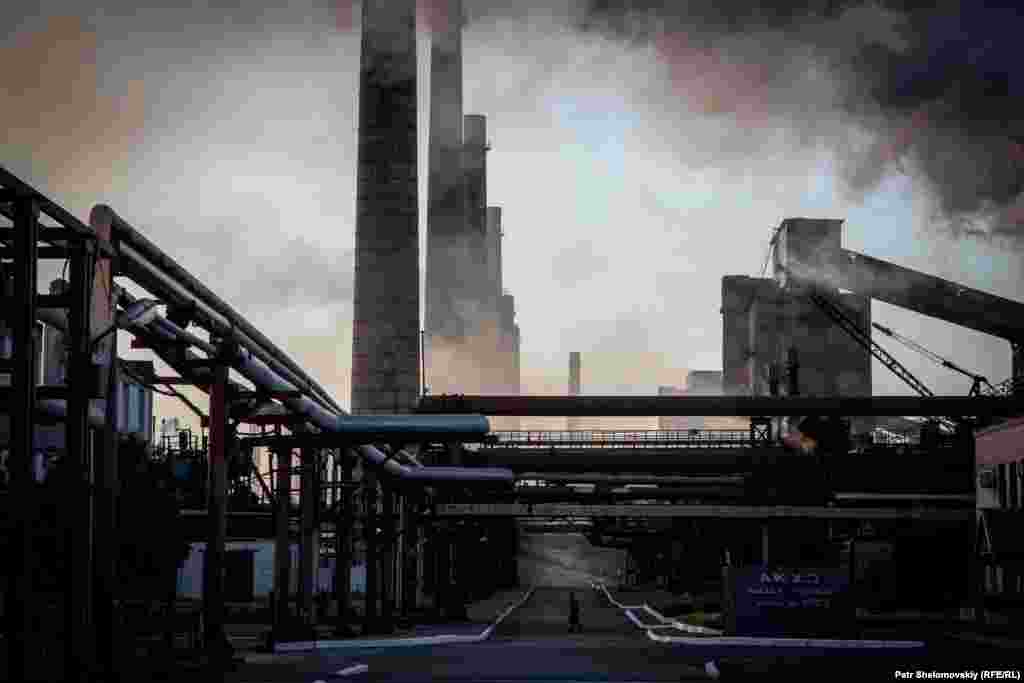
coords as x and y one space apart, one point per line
633 174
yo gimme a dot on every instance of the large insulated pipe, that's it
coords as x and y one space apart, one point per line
339 423
169 290
144 262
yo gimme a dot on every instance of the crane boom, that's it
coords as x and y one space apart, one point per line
863 337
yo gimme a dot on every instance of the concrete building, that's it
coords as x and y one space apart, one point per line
766 328
386 315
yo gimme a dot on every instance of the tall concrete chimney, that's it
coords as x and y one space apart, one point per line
494 253
574 373
385 338
474 268
446 206
573 423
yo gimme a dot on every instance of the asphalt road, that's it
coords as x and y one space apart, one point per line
533 644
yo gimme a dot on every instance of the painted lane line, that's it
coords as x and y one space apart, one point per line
820 643
351 670
441 639
666 622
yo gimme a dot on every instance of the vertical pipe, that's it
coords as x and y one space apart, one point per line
386 323
213 561
307 543
79 512
282 548
343 525
372 560
20 604
387 559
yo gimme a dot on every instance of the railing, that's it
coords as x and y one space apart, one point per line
693 438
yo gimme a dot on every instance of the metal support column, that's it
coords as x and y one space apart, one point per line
387 560
105 584
282 548
78 647
308 542
372 560
442 569
214 636
410 555
458 592
20 603
107 476
343 526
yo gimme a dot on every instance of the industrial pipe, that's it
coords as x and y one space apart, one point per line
159 283
262 376
138 252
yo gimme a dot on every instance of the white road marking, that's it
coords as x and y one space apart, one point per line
350 670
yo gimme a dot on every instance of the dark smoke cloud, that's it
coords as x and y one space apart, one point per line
940 88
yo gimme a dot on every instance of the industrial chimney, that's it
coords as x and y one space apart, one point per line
446 206
385 339
573 423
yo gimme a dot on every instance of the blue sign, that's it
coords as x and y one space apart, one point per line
787 602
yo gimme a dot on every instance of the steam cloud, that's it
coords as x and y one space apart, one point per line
889 85
938 88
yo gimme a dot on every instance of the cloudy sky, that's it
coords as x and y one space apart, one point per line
638 156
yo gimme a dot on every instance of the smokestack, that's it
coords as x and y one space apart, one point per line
385 339
573 423
474 168
446 212
574 373
494 252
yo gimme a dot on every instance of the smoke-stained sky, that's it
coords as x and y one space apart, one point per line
638 155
